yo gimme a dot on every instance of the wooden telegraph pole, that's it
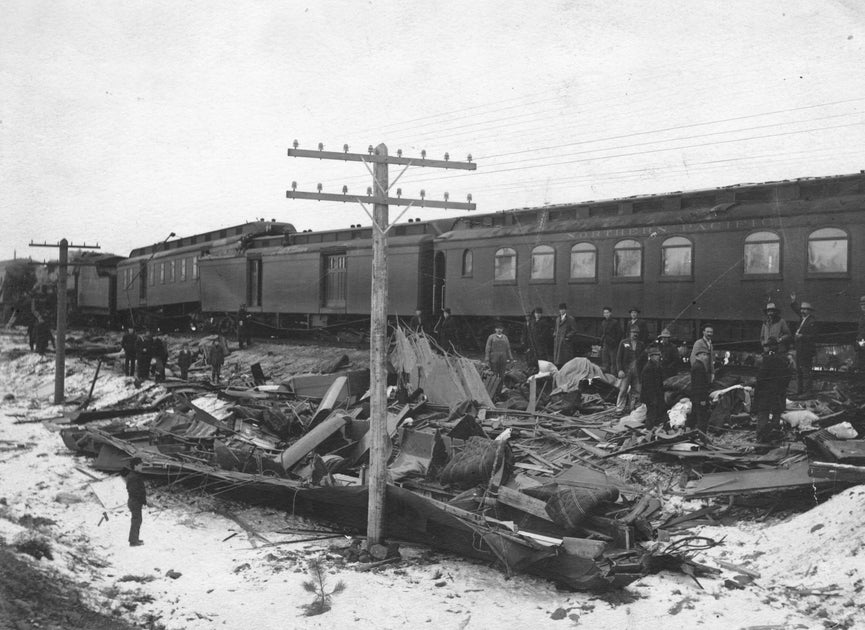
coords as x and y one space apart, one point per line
60 342
379 197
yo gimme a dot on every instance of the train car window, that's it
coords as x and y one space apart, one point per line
183 263
468 263
172 271
627 259
162 273
762 253
151 273
505 265
195 267
677 257
827 251
584 261
543 263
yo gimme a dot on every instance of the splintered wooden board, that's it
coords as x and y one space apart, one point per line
753 481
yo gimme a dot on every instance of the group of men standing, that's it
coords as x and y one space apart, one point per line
145 353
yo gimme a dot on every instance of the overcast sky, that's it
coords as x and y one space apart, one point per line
121 122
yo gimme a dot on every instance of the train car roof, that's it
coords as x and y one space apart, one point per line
731 210
343 245
196 241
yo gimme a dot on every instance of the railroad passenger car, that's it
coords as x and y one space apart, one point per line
684 258
159 285
95 285
316 279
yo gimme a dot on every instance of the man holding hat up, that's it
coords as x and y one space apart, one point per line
804 338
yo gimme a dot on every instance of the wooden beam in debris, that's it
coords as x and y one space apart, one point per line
306 444
80 416
524 503
363 445
832 471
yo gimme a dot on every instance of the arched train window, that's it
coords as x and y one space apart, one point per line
627 259
543 263
468 263
505 265
677 257
584 261
827 251
762 253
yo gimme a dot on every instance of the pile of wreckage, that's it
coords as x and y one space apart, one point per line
541 481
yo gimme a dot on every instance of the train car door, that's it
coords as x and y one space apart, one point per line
254 276
334 290
142 281
438 283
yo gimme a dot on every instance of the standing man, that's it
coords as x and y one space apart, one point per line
770 393
804 340
699 391
184 360
539 339
217 358
128 345
652 389
671 361
137 499
416 324
143 355
635 320
498 351
160 358
611 335
566 329
446 329
774 326
629 358
860 339
705 343
244 323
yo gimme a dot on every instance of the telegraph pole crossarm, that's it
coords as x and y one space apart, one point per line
378 196
60 342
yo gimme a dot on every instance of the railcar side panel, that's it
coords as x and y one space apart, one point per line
223 284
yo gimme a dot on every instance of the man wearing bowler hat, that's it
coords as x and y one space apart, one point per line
643 335
563 341
805 341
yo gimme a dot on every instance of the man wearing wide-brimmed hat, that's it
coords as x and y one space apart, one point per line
804 339
775 326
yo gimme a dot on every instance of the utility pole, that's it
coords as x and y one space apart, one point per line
381 200
60 342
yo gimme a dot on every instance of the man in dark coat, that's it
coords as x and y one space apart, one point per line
244 327
860 339
137 499
770 392
804 339
539 339
643 336
563 340
671 360
217 358
611 335
184 360
630 357
446 330
652 389
143 355
699 418
160 355
43 335
128 345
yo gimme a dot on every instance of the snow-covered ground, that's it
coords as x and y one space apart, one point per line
811 572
